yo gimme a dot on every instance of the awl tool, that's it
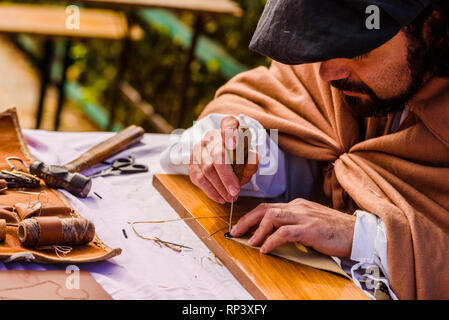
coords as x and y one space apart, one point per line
239 159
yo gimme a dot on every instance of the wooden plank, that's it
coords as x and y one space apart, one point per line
51 21
264 276
206 6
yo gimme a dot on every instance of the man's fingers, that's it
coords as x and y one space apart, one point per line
228 133
209 171
265 228
197 177
249 220
284 234
274 218
225 172
252 218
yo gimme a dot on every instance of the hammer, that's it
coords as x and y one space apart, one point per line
67 177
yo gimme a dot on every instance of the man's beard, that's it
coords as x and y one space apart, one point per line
418 63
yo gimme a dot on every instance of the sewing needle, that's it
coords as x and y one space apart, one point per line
230 215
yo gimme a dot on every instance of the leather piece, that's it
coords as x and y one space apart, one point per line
29 210
48 285
300 254
50 231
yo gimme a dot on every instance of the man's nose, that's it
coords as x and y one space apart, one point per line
333 70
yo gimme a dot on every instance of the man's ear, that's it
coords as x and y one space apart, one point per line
432 23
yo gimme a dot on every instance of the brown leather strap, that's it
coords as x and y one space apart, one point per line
2 230
50 231
25 210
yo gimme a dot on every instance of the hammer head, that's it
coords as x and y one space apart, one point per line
60 178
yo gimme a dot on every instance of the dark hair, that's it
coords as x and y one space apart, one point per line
439 36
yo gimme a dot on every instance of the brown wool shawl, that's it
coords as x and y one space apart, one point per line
402 177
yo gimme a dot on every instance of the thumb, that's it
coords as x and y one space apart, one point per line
229 125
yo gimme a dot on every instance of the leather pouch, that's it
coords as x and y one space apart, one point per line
16 206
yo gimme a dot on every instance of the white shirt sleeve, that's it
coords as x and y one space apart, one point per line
270 179
369 250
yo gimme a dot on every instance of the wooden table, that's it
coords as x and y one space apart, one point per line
264 276
51 21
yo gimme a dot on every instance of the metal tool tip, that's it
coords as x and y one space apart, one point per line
228 235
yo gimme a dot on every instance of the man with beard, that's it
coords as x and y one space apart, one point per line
363 162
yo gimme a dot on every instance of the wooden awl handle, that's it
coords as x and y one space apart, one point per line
121 141
239 156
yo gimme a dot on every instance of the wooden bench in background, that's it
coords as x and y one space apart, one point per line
227 7
50 22
199 7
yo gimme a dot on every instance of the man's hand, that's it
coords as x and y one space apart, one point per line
326 230
210 167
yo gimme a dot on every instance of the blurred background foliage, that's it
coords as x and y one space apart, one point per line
157 61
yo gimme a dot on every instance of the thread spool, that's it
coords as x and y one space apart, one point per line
54 231
2 230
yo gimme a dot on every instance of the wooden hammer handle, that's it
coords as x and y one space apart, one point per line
121 141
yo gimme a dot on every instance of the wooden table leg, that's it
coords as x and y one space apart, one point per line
61 85
121 72
186 76
45 69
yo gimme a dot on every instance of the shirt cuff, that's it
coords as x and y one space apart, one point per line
365 231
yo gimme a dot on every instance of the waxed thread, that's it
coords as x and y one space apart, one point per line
73 237
31 204
174 246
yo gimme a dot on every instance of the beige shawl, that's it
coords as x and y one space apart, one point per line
401 177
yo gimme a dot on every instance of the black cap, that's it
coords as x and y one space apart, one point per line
305 31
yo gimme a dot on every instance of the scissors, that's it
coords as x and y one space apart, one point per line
121 166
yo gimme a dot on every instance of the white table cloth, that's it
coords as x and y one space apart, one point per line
143 270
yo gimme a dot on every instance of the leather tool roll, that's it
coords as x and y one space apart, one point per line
12 144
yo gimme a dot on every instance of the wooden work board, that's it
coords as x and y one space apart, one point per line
264 276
